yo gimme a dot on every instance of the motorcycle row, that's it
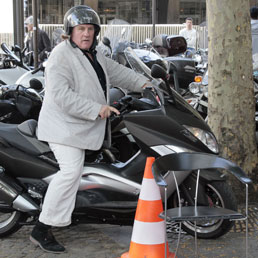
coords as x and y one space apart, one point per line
111 180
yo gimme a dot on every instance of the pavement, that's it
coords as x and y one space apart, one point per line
110 241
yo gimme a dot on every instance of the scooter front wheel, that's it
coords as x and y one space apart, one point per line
219 194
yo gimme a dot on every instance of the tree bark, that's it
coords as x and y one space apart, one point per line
231 91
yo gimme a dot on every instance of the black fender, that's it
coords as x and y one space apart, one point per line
206 176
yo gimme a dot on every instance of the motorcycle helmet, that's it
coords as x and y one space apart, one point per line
81 14
29 20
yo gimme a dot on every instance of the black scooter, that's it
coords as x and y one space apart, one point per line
156 123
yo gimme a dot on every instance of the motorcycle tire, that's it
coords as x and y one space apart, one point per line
10 222
219 194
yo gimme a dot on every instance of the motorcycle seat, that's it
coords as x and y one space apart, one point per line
23 137
29 127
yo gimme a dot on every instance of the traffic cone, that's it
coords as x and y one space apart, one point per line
148 237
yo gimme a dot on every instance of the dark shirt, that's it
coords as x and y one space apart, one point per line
98 69
96 65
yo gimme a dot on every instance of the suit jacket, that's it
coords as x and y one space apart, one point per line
74 96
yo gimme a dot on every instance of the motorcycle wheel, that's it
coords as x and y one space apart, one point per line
10 222
219 194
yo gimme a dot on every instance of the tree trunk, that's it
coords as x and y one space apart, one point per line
231 91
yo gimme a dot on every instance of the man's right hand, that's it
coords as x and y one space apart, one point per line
106 111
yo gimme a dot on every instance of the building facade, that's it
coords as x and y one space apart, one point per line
132 11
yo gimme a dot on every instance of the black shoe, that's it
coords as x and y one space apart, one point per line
45 240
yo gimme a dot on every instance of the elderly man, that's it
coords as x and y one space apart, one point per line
44 44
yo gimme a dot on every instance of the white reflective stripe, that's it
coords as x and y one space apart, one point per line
150 190
148 233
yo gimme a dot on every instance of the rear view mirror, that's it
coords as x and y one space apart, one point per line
16 48
176 45
158 72
36 84
106 41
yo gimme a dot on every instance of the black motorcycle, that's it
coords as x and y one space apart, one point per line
12 66
197 96
154 123
19 103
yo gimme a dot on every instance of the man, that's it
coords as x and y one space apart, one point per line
74 113
189 33
44 44
254 28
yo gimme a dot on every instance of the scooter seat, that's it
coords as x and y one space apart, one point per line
28 127
23 137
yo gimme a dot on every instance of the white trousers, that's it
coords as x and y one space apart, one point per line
60 198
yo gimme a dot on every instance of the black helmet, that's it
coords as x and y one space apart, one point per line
81 14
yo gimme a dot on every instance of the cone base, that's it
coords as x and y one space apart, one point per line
145 251
127 255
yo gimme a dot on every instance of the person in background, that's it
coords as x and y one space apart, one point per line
73 117
254 28
190 34
44 44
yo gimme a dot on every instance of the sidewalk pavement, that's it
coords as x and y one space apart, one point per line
109 241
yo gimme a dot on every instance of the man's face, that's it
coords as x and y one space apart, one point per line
83 35
29 27
189 24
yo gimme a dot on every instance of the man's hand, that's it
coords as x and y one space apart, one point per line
147 84
106 111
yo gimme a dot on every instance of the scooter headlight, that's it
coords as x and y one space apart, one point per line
205 137
204 90
194 87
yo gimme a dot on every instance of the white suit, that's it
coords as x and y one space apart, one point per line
74 96
69 120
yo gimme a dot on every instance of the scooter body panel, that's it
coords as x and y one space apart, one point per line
11 75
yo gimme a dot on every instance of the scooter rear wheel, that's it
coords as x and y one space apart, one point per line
10 222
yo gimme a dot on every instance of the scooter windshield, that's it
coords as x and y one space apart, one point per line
139 67
119 33
136 64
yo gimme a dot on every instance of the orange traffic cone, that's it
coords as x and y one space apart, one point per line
148 237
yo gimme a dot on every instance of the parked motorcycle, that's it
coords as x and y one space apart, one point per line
19 103
186 67
15 71
156 123
116 38
198 94
12 66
